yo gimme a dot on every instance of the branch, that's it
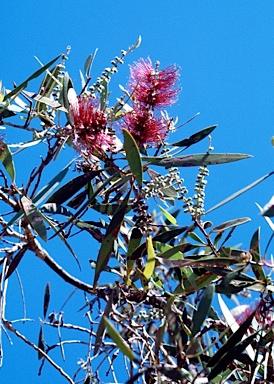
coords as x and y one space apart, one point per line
34 346
35 246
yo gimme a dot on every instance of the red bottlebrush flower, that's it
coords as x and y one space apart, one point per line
243 312
144 127
90 131
153 87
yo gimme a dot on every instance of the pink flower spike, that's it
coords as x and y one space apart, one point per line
153 87
145 128
90 131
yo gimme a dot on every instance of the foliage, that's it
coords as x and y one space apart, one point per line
158 315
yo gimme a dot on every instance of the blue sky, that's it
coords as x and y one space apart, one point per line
225 51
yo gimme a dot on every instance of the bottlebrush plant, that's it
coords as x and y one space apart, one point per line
149 313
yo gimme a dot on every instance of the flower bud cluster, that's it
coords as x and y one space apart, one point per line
156 187
152 314
57 75
141 218
106 74
178 181
199 196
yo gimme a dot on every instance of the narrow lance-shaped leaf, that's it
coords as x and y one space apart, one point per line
33 76
150 265
59 234
73 186
43 193
203 262
240 192
195 138
88 63
15 261
268 209
203 309
133 157
231 342
55 209
177 251
230 223
41 343
267 219
91 199
196 160
111 235
67 84
134 242
103 95
119 341
35 217
256 256
102 325
49 188
164 237
107 209
43 100
168 216
233 353
46 299
6 159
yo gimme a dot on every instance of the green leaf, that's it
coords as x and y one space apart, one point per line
195 138
230 223
268 209
35 217
43 193
103 95
46 101
203 262
195 237
41 343
102 325
203 309
15 261
88 63
234 353
90 201
133 157
43 98
164 237
134 242
55 209
196 160
240 192
177 251
111 235
72 187
46 299
23 85
49 188
168 216
200 282
59 234
150 265
231 342
6 159
119 341
267 219
27 144
256 256
108 209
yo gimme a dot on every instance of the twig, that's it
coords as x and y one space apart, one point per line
34 346
35 247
